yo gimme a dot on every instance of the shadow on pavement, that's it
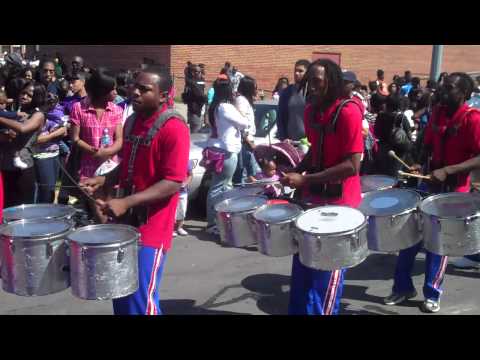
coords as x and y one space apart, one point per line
187 307
380 267
200 234
470 273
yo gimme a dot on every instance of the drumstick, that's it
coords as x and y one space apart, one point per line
418 176
392 154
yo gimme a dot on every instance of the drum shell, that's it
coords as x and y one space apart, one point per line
104 272
451 237
237 229
35 268
276 240
393 233
332 252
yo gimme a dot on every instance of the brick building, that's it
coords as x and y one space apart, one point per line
269 62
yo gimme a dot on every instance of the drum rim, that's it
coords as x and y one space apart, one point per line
104 245
240 212
333 234
436 196
405 212
44 237
70 214
278 222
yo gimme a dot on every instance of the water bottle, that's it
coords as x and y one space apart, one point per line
105 140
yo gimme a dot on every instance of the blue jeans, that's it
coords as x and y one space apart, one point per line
314 292
220 183
246 161
146 300
47 175
435 266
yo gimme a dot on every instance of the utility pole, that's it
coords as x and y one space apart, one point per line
437 56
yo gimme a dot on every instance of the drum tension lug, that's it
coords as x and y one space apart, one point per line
120 255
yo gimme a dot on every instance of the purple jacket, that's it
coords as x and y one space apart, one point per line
53 122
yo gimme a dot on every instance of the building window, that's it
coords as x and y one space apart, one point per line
335 57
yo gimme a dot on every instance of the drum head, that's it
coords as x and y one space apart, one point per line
277 213
37 211
389 202
451 205
240 204
376 182
101 235
35 228
327 220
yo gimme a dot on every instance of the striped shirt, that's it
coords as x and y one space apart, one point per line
84 116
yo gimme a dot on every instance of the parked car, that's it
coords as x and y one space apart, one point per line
266 131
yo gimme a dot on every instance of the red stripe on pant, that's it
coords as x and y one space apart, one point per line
440 273
151 307
331 292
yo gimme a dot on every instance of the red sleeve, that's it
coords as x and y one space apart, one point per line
174 150
474 130
349 129
75 114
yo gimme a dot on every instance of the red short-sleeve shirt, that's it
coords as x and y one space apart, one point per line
462 146
347 139
165 159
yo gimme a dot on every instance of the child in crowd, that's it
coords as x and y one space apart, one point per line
269 173
183 203
12 115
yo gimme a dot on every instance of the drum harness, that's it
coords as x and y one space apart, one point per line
327 190
138 216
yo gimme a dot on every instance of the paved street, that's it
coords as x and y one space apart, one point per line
202 277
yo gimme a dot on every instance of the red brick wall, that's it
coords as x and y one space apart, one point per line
115 57
269 62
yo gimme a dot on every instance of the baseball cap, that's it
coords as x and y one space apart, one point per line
349 76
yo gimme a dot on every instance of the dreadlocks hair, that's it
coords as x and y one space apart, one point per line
333 82
464 82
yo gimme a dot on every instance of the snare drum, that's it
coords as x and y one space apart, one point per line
235 221
451 224
331 237
38 211
274 228
104 261
34 256
392 219
376 182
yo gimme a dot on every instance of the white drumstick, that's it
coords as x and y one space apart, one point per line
392 154
425 177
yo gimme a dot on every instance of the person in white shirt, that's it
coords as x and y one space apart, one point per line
235 79
247 91
225 143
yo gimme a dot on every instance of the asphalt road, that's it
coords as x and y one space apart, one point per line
203 278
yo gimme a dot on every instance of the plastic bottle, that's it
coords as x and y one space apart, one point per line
105 140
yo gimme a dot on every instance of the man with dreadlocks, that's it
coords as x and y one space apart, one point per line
451 145
328 175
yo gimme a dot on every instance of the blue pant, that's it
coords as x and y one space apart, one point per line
474 257
247 162
314 292
47 175
435 266
220 183
146 300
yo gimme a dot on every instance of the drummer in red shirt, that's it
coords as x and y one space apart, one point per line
335 181
151 183
451 145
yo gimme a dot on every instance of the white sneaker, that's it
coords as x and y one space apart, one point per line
175 234
18 162
182 232
464 263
